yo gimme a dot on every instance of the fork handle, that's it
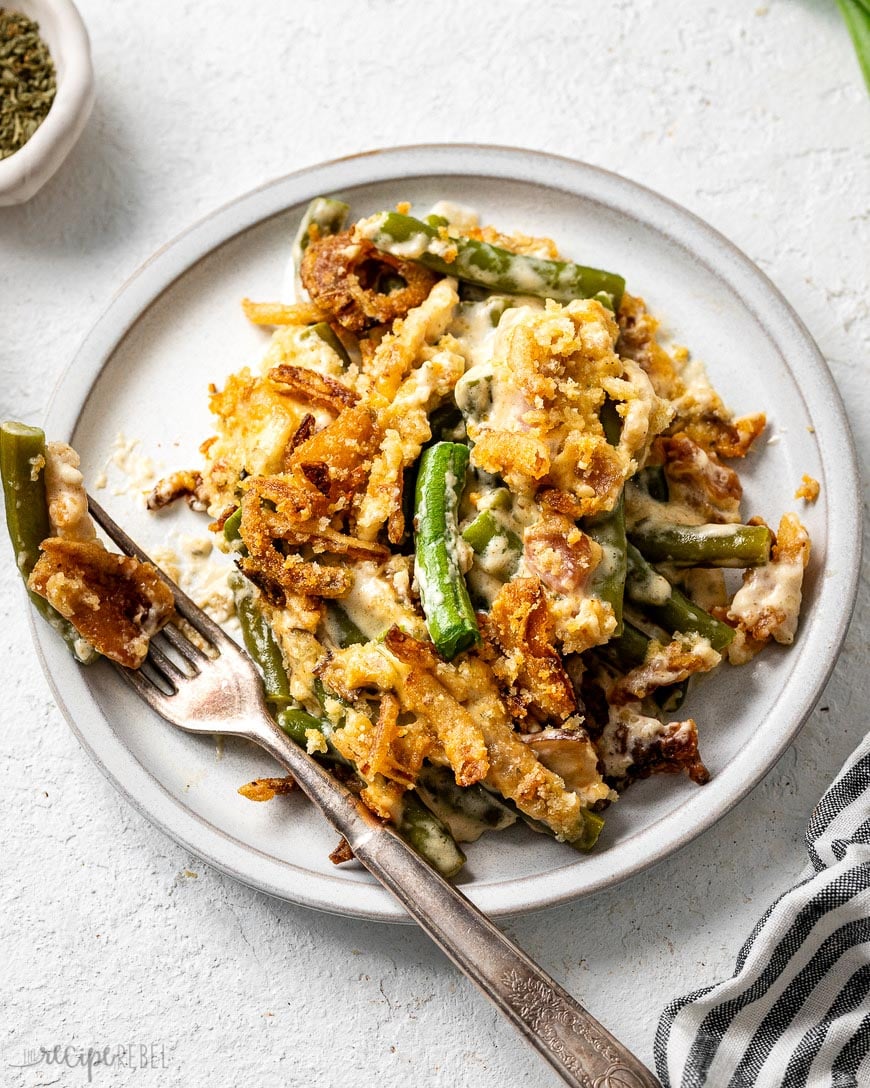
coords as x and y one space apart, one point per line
580 1050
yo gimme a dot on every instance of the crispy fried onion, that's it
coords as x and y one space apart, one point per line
342 852
467 722
387 752
313 388
700 412
521 627
768 603
271 509
280 313
405 425
464 708
400 350
330 468
552 371
635 746
698 479
346 277
264 789
115 602
177 485
670 664
324 473
296 508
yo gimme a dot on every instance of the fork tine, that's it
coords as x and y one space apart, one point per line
185 607
167 668
188 650
144 687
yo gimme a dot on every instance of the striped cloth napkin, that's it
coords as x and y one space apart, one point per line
796 1011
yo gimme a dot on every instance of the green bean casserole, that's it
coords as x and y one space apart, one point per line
481 520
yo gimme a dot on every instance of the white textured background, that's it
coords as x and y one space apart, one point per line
753 116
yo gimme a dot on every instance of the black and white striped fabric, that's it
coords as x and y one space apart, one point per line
796 1012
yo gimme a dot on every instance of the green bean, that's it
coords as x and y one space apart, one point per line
324 213
446 423
260 641
343 631
427 834
592 825
468 811
473 394
653 481
490 266
627 650
323 331
420 828
485 529
297 723
608 579
444 596
608 531
22 459
584 840
669 699
668 606
702 545
233 530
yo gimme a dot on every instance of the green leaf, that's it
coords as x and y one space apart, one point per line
857 16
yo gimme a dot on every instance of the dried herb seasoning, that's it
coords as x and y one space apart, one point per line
27 80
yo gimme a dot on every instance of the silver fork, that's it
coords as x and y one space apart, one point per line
219 691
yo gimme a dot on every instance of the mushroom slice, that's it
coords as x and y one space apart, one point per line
570 754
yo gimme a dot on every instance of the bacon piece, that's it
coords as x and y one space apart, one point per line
560 554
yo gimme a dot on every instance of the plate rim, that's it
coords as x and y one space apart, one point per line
836 448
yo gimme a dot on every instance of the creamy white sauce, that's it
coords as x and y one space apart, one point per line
775 588
460 218
65 494
373 603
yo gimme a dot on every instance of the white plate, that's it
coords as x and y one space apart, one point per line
176 326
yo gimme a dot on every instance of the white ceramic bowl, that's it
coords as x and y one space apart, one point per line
62 29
